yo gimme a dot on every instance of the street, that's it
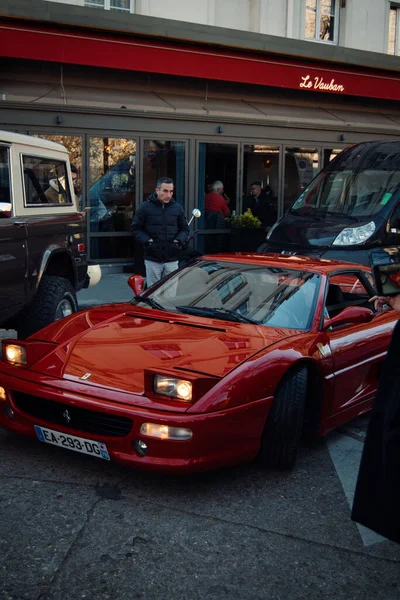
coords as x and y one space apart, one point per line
72 526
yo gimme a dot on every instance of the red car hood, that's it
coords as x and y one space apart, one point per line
117 352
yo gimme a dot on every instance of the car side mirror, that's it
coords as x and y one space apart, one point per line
5 209
136 282
196 213
351 315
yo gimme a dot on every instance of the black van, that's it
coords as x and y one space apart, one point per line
351 207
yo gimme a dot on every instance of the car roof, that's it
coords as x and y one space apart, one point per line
285 261
28 140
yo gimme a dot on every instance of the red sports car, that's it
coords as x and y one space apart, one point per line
232 357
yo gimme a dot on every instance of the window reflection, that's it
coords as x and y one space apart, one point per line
271 296
394 31
164 159
301 166
320 18
112 180
73 143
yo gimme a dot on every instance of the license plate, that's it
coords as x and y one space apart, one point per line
72 442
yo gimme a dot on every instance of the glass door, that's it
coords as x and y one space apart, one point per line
217 193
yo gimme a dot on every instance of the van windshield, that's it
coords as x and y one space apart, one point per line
353 193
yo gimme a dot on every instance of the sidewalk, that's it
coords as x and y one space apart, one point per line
112 287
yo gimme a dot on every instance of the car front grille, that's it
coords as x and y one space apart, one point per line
77 418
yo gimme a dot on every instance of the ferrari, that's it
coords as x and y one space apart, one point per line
231 358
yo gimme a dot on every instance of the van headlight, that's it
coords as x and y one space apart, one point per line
354 235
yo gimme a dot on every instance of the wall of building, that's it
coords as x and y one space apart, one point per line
363 24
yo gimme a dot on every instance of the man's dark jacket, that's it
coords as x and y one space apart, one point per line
163 223
377 497
262 207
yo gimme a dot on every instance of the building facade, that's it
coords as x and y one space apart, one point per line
236 90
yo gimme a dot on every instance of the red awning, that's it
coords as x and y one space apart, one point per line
65 45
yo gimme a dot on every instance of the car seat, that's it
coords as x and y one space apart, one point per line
334 300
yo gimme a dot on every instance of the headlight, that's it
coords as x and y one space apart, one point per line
3 395
354 235
176 388
166 432
15 354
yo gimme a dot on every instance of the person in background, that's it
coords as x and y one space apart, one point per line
377 497
260 204
161 227
215 201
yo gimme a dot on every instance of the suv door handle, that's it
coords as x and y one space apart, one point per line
21 223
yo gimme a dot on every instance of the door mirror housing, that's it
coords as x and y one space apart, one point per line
351 315
136 282
196 213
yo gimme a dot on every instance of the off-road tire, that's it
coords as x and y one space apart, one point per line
282 431
42 311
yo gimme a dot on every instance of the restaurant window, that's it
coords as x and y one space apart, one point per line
164 159
73 143
122 5
261 181
301 166
330 154
112 194
217 162
321 20
394 30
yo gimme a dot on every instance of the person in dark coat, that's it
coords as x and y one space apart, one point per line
161 227
260 204
377 497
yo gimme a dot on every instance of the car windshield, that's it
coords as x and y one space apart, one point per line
354 185
245 293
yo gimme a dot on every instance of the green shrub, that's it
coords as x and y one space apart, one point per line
245 221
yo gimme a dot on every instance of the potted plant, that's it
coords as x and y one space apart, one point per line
246 232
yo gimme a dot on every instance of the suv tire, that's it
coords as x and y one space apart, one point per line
54 299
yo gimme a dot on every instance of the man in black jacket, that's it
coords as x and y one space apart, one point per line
161 226
260 203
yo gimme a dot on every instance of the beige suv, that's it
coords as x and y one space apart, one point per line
42 234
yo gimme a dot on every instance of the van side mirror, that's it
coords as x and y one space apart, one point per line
5 209
136 282
351 315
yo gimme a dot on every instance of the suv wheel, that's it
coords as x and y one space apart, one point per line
55 299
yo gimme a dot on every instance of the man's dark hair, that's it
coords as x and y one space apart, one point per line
74 169
162 180
258 183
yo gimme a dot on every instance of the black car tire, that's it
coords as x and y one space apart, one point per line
282 431
53 294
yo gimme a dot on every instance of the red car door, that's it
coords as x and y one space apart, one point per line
357 349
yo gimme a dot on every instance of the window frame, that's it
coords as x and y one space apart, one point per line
106 5
47 204
395 7
335 40
7 147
